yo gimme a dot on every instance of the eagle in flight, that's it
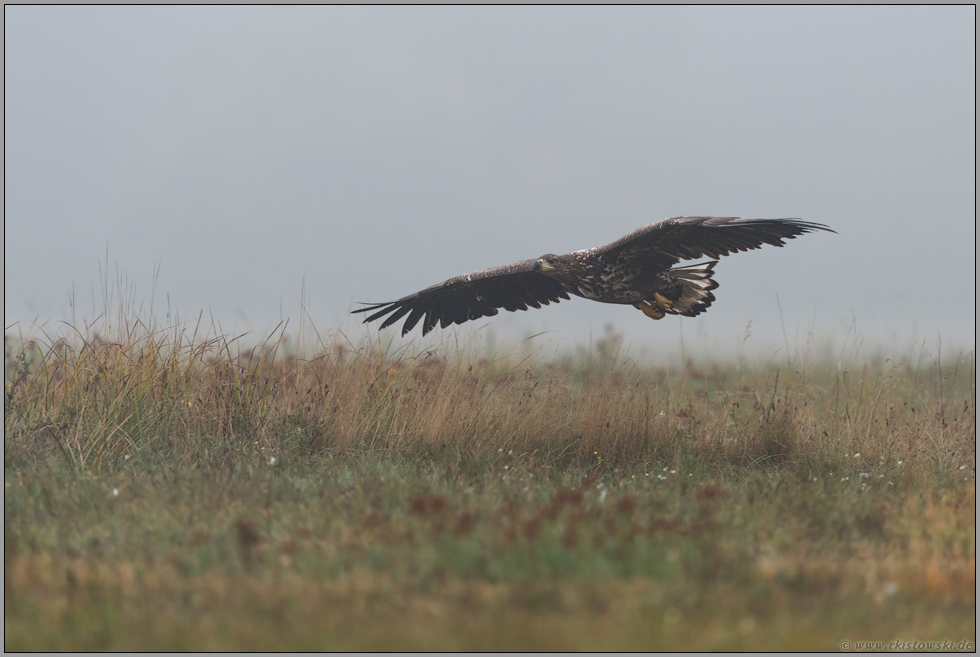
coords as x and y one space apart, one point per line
637 269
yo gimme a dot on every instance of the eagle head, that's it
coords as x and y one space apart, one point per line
546 263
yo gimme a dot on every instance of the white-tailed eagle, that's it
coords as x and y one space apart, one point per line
637 269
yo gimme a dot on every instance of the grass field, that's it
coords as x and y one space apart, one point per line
177 490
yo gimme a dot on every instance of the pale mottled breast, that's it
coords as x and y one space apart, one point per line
609 281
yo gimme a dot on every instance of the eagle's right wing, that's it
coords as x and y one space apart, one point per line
512 287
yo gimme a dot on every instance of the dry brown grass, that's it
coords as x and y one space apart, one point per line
166 490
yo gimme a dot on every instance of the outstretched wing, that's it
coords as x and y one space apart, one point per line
471 296
667 242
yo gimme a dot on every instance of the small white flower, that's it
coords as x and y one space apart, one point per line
673 472
962 467
865 475
510 453
500 450
857 455
272 460
115 492
126 457
602 496
900 463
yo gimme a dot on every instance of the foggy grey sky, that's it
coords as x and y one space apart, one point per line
375 151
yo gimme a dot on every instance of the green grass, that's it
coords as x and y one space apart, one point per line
455 501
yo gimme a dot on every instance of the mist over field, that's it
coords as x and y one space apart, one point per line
261 164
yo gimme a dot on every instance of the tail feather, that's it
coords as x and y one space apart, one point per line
695 284
687 293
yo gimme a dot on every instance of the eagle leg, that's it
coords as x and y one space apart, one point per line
664 302
650 310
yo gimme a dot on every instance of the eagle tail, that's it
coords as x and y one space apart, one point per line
687 293
695 284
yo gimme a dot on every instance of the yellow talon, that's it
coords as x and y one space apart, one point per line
663 301
650 310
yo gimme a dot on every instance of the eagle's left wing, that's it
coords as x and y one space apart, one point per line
667 242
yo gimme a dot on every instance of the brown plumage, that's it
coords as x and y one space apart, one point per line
637 269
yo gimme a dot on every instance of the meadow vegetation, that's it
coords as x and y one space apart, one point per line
178 489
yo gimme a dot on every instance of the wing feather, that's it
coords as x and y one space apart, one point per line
667 242
412 320
471 296
394 317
